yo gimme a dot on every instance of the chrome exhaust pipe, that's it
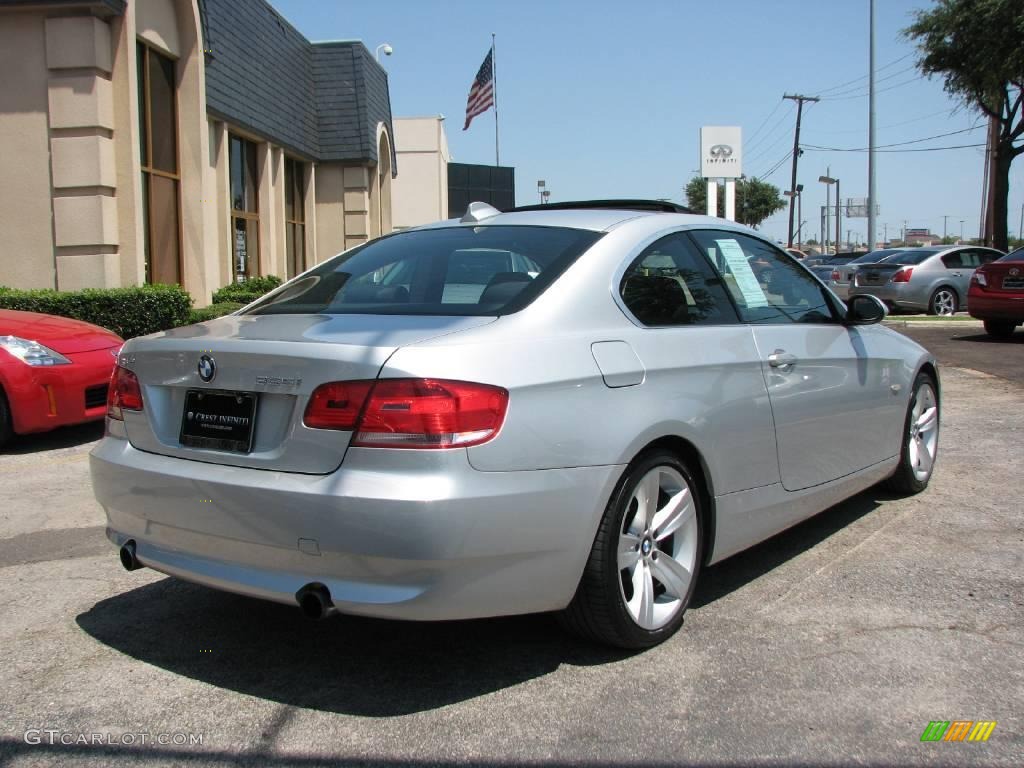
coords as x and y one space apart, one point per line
314 601
128 558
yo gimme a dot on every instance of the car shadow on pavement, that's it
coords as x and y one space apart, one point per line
352 665
63 437
984 338
729 575
378 668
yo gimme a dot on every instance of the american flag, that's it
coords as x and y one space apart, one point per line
481 93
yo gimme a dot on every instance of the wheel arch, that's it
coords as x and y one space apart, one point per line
929 367
694 459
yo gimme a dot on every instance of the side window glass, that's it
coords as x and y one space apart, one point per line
766 284
987 257
952 260
670 284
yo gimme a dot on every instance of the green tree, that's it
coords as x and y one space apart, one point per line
975 46
756 200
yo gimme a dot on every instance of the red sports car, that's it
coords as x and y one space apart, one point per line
996 294
53 371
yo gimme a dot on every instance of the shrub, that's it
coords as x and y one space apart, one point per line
212 311
127 312
249 291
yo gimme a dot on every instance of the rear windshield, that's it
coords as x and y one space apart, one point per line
875 256
486 270
910 257
1017 255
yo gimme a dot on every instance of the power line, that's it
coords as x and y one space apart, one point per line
896 144
771 131
917 119
862 87
922 149
865 77
765 121
883 90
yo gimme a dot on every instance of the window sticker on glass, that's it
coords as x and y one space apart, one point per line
746 281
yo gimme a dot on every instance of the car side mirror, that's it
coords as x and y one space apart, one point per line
865 309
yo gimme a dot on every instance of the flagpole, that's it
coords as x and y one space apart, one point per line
494 68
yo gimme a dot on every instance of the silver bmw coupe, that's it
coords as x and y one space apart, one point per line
573 408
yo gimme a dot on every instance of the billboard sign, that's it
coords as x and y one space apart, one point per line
721 152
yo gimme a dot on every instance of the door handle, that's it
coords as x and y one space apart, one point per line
781 359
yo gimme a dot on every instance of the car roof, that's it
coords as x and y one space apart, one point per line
592 215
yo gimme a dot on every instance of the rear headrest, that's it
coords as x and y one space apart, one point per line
656 300
503 287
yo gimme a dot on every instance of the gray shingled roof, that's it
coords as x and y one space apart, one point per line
322 101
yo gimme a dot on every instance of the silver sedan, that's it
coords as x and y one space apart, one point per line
932 280
572 410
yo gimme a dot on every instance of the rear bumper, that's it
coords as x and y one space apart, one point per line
47 397
393 533
898 295
986 306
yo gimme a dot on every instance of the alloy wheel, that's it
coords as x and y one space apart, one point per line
657 548
924 432
944 302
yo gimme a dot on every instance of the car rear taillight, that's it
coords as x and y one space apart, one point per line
410 413
979 278
835 275
337 405
903 275
124 393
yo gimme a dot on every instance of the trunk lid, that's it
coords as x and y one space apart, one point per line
280 359
1000 276
876 274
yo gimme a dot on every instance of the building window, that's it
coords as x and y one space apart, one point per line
158 154
295 215
245 219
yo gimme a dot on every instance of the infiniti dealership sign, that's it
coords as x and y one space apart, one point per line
721 152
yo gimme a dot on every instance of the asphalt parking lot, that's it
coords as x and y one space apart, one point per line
835 643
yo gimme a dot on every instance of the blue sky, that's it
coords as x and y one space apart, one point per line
606 99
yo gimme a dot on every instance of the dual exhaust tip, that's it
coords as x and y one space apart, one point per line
314 599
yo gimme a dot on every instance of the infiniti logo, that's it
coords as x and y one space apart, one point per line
207 368
720 151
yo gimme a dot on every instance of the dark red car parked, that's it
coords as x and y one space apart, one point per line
53 371
996 294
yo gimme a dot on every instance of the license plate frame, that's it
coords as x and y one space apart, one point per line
214 424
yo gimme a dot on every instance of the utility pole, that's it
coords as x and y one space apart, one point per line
885 235
838 216
944 217
796 155
872 192
1020 232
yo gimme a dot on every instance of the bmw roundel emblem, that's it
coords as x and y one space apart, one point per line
207 368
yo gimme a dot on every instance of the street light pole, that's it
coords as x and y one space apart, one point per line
872 192
828 181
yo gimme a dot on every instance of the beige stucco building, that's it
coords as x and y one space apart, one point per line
419 194
188 141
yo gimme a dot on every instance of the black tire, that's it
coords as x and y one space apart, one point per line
597 611
1000 329
938 295
6 429
905 480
